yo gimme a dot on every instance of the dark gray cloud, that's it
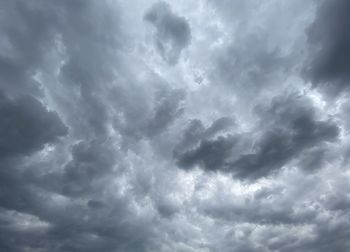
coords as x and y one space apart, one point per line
173 32
26 126
292 127
99 139
27 34
166 109
195 131
90 162
314 159
329 42
199 145
148 118
210 154
36 189
289 126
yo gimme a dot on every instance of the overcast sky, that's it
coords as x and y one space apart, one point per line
174 126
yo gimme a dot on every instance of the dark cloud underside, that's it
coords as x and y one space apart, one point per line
330 64
141 126
289 127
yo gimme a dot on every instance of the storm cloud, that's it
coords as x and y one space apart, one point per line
26 126
289 127
329 66
208 125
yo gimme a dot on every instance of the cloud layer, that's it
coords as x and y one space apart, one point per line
208 125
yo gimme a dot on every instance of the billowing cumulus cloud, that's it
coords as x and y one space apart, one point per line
207 125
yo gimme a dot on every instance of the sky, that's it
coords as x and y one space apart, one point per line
175 125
